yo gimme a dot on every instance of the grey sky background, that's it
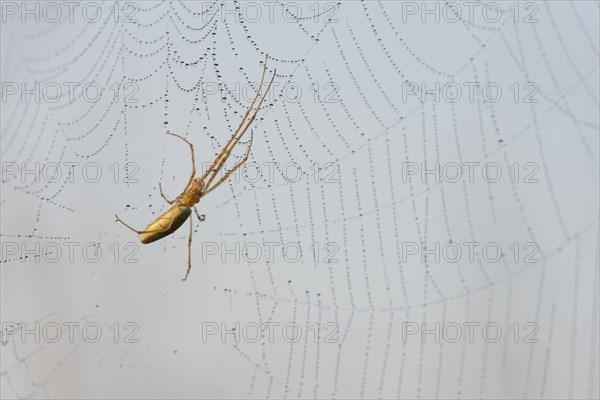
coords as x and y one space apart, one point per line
342 169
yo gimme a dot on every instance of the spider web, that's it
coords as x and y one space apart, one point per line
340 113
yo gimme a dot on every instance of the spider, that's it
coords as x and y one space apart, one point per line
197 188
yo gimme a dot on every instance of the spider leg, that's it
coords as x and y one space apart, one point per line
189 252
163 195
224 151
234 168
226 156
135 230
193 159
201 218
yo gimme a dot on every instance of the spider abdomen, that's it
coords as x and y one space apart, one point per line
166 223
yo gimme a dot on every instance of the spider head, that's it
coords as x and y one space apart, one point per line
193 194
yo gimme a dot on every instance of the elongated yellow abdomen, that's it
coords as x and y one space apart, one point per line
166 224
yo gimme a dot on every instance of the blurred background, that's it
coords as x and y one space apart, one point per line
418 217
